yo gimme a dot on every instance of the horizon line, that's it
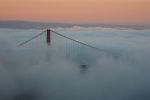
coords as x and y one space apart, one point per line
76 23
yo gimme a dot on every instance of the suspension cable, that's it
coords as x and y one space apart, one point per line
36 36
90 46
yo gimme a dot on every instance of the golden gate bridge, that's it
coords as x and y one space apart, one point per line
80 52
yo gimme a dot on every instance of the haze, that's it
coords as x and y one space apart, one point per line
119 71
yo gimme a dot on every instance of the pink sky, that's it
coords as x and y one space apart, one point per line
77 11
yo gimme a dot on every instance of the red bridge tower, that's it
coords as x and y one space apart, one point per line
48 40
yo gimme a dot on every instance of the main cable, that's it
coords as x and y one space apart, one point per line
90 46
36 36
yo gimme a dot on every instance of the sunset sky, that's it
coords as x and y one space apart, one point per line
77 11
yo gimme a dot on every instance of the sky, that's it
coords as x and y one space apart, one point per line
77 11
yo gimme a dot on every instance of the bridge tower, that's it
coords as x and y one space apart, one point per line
48 38
48 41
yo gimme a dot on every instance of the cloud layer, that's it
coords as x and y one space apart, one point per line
119 72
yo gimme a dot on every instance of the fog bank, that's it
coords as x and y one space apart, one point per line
36 72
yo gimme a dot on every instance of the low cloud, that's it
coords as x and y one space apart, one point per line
37 72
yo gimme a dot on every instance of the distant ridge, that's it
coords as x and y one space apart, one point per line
43 25
30 25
